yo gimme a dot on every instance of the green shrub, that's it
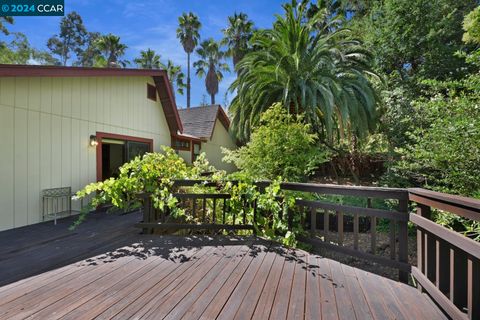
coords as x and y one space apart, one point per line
281 146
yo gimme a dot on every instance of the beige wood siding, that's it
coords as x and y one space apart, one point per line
45 125
213 148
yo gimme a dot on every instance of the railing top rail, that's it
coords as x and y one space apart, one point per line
463 206
374 192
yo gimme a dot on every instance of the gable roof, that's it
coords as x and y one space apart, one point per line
160 79
200 121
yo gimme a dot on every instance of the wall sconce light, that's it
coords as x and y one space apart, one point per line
93 141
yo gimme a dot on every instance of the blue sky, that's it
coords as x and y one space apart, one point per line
151 24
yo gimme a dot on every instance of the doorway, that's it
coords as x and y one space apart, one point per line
115 150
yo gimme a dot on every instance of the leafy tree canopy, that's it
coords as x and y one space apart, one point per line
281 146
312 66
71 38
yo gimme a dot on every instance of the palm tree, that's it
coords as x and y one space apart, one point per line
148 60
188 33
4 20
320 72
175 76
112 49
210 66
236 36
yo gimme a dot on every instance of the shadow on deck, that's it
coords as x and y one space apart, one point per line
105 269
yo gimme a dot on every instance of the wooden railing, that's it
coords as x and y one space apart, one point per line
397 222
448 266
211 211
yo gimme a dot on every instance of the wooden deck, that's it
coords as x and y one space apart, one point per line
106 270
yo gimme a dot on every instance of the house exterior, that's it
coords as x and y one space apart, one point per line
68 126
209 127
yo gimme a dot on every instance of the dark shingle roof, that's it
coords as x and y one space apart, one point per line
200 121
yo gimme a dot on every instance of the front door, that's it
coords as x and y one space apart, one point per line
115 150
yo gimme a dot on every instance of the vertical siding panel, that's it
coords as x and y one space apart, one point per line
45 151
131 105
70 97
7 167
92 99
56 164
84 94
75 156
21 92
137 104
76 98
123 87
106 100
34 94
7 88
115 111
57 96
46 95
21 167
99 102
92 160
84 145
34 211
66 168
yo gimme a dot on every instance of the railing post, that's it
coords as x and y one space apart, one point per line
403 240
423 211
147 206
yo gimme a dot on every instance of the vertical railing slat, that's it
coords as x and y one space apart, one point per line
214 211
204 209
403 239
224 210
313 221
470 285
340 227
393 240
326 224
355 231
373 229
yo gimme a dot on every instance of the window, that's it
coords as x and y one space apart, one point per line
151 92
195 151
181 144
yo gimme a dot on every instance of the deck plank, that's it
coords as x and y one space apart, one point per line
216 304
247 307
296 306
236 298
327 294
313 308
144 299
342 294
282 296
201 277
360 305
106 269
196 302
265 301
110 302
374 296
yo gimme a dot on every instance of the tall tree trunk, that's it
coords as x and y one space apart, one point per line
212 98
188 79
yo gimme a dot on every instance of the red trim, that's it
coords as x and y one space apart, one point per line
168 103
15 70
101 135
